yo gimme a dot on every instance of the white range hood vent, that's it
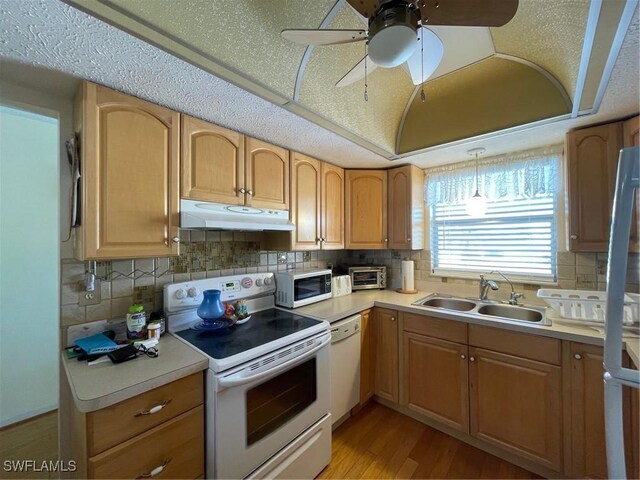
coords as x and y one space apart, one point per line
217 216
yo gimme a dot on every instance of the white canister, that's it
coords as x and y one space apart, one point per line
153 330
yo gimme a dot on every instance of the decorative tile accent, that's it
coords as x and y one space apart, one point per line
143 294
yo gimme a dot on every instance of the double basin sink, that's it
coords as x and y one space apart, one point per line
488 310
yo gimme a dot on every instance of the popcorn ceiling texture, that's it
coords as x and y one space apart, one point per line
53 35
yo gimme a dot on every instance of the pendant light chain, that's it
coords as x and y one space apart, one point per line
422 95
366 94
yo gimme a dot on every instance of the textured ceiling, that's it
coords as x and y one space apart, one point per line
549 34
218 30
53 35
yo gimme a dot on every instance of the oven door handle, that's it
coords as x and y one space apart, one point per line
233 381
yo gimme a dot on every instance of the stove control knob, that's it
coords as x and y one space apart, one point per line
268 280
193 292
181 293
247 282
259 282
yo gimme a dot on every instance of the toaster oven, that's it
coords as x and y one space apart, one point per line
367 277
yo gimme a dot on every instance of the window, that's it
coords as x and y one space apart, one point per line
518 233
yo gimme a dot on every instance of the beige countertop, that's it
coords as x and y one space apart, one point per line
341 307
98 386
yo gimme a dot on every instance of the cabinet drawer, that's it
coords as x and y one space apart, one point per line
113 425
436 327
542 349
178 444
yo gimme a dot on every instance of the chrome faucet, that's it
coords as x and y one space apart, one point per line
484 286
513 299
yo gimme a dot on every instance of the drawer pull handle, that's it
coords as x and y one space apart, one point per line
156 471
153 410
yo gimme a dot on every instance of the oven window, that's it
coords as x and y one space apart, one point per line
273 403
365 278
308 287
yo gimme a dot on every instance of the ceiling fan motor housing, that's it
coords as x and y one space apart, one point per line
393 34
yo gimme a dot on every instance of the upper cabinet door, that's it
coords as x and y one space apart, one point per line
366 209
130 172
592 155
406 208
305 202
266 175
332 207
212 162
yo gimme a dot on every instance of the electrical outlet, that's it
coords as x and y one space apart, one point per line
90 298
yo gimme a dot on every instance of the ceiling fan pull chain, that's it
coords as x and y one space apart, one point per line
366 95
423 97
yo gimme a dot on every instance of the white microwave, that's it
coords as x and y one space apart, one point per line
297 288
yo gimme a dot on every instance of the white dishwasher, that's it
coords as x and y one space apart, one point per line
345 367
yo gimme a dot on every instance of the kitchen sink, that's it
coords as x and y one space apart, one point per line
524 314
457 304
486 310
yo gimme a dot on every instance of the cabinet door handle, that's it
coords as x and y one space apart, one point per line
472 359
408 239
154 409
463 356
577 356
156 471
386 239
574 237
393 319
242 190
250 192
175 239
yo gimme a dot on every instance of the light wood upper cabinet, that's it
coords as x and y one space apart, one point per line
386 353
266 175
332 207
305 202
212 163
435 379
592 155
130 176
406 208
516 404
366 209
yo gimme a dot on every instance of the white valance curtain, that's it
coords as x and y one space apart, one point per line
527 174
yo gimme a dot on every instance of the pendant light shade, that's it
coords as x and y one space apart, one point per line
476 205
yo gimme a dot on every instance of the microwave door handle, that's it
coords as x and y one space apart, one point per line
232 381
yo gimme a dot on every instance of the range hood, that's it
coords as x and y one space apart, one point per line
217 216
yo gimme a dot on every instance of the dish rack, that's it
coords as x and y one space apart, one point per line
587 306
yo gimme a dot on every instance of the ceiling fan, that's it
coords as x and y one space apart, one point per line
397 32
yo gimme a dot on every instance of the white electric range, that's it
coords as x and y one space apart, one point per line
267 385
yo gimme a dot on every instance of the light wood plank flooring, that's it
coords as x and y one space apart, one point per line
33 439
381 443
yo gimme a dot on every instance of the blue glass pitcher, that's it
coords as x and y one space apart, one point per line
211 307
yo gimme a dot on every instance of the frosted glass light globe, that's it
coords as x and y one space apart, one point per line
476 206
392 45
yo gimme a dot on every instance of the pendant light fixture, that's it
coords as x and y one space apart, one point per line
476 205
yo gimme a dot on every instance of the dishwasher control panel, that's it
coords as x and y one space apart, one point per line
345 328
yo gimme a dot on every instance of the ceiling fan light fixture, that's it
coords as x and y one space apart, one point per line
393 45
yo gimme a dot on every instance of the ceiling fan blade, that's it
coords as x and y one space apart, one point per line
324 36
471 13
365 7
432 52
356 73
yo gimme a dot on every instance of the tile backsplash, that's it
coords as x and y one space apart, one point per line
205 254
202 255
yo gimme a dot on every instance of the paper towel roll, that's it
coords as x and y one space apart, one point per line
407 275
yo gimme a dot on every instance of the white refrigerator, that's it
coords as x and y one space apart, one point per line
615 376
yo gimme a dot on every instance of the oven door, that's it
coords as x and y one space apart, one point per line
365 279
262 406
311 289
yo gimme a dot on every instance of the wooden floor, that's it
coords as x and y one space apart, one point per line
34 439
381 443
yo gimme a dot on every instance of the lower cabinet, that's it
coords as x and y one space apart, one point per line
159 434
516 404
366 356
386 354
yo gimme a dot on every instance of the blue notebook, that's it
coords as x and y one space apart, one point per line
98 343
